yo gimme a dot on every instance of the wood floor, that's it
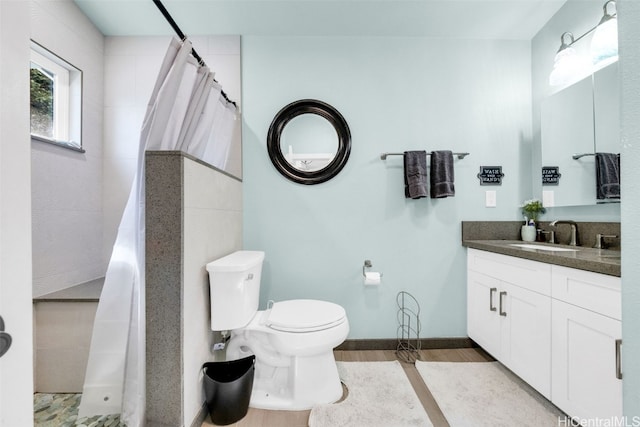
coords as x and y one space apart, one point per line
263 418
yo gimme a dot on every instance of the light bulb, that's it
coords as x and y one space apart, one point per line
604 44
568 67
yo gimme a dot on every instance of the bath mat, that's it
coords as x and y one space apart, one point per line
478 394
380 395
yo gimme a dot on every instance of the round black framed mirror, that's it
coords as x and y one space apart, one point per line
309 167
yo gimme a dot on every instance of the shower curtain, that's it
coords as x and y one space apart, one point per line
187 111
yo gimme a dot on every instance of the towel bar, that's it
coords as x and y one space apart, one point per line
578 156
383 156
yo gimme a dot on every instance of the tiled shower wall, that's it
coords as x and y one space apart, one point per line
67 185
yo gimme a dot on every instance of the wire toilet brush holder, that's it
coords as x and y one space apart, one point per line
408 331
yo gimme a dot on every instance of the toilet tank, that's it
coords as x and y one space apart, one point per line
234 284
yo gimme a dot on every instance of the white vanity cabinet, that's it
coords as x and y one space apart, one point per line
557 328
509 313
587 328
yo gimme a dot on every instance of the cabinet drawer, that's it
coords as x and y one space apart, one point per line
532 275
594 291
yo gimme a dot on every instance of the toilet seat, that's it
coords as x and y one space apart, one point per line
304 315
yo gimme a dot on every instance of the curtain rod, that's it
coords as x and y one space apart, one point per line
183 37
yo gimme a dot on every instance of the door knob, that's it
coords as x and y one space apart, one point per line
5 339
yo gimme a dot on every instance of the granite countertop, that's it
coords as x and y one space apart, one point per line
605 261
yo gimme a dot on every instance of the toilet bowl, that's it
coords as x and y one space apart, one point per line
292 340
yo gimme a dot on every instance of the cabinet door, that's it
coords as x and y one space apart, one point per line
584 370
483 322
526 335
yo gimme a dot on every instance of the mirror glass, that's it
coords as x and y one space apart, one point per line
309 142
567 129
577 122
606 104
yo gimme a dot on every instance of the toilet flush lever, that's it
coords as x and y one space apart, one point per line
250 276
265 316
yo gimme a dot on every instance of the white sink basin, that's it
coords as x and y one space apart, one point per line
543 248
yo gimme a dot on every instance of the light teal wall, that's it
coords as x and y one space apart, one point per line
396 94
629 31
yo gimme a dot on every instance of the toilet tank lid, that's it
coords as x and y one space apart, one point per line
237 261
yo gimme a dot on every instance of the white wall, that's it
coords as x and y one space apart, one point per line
629 37
131 66
67 185
16 373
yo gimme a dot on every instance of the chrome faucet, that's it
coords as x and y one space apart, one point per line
550 236
600 243
574 241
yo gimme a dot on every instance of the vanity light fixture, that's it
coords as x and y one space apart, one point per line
569 66
604 44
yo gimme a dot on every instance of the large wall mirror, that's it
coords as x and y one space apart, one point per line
577 122
309 141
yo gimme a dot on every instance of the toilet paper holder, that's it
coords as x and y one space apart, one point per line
367 264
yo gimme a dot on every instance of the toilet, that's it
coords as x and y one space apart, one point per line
292 340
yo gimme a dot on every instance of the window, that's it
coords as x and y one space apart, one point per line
56 99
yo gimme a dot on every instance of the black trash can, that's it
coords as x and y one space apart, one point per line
227 388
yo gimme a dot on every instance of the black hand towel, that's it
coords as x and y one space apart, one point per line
607 176
415 174
442 174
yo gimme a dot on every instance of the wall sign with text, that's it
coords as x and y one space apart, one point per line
551 175
490 175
